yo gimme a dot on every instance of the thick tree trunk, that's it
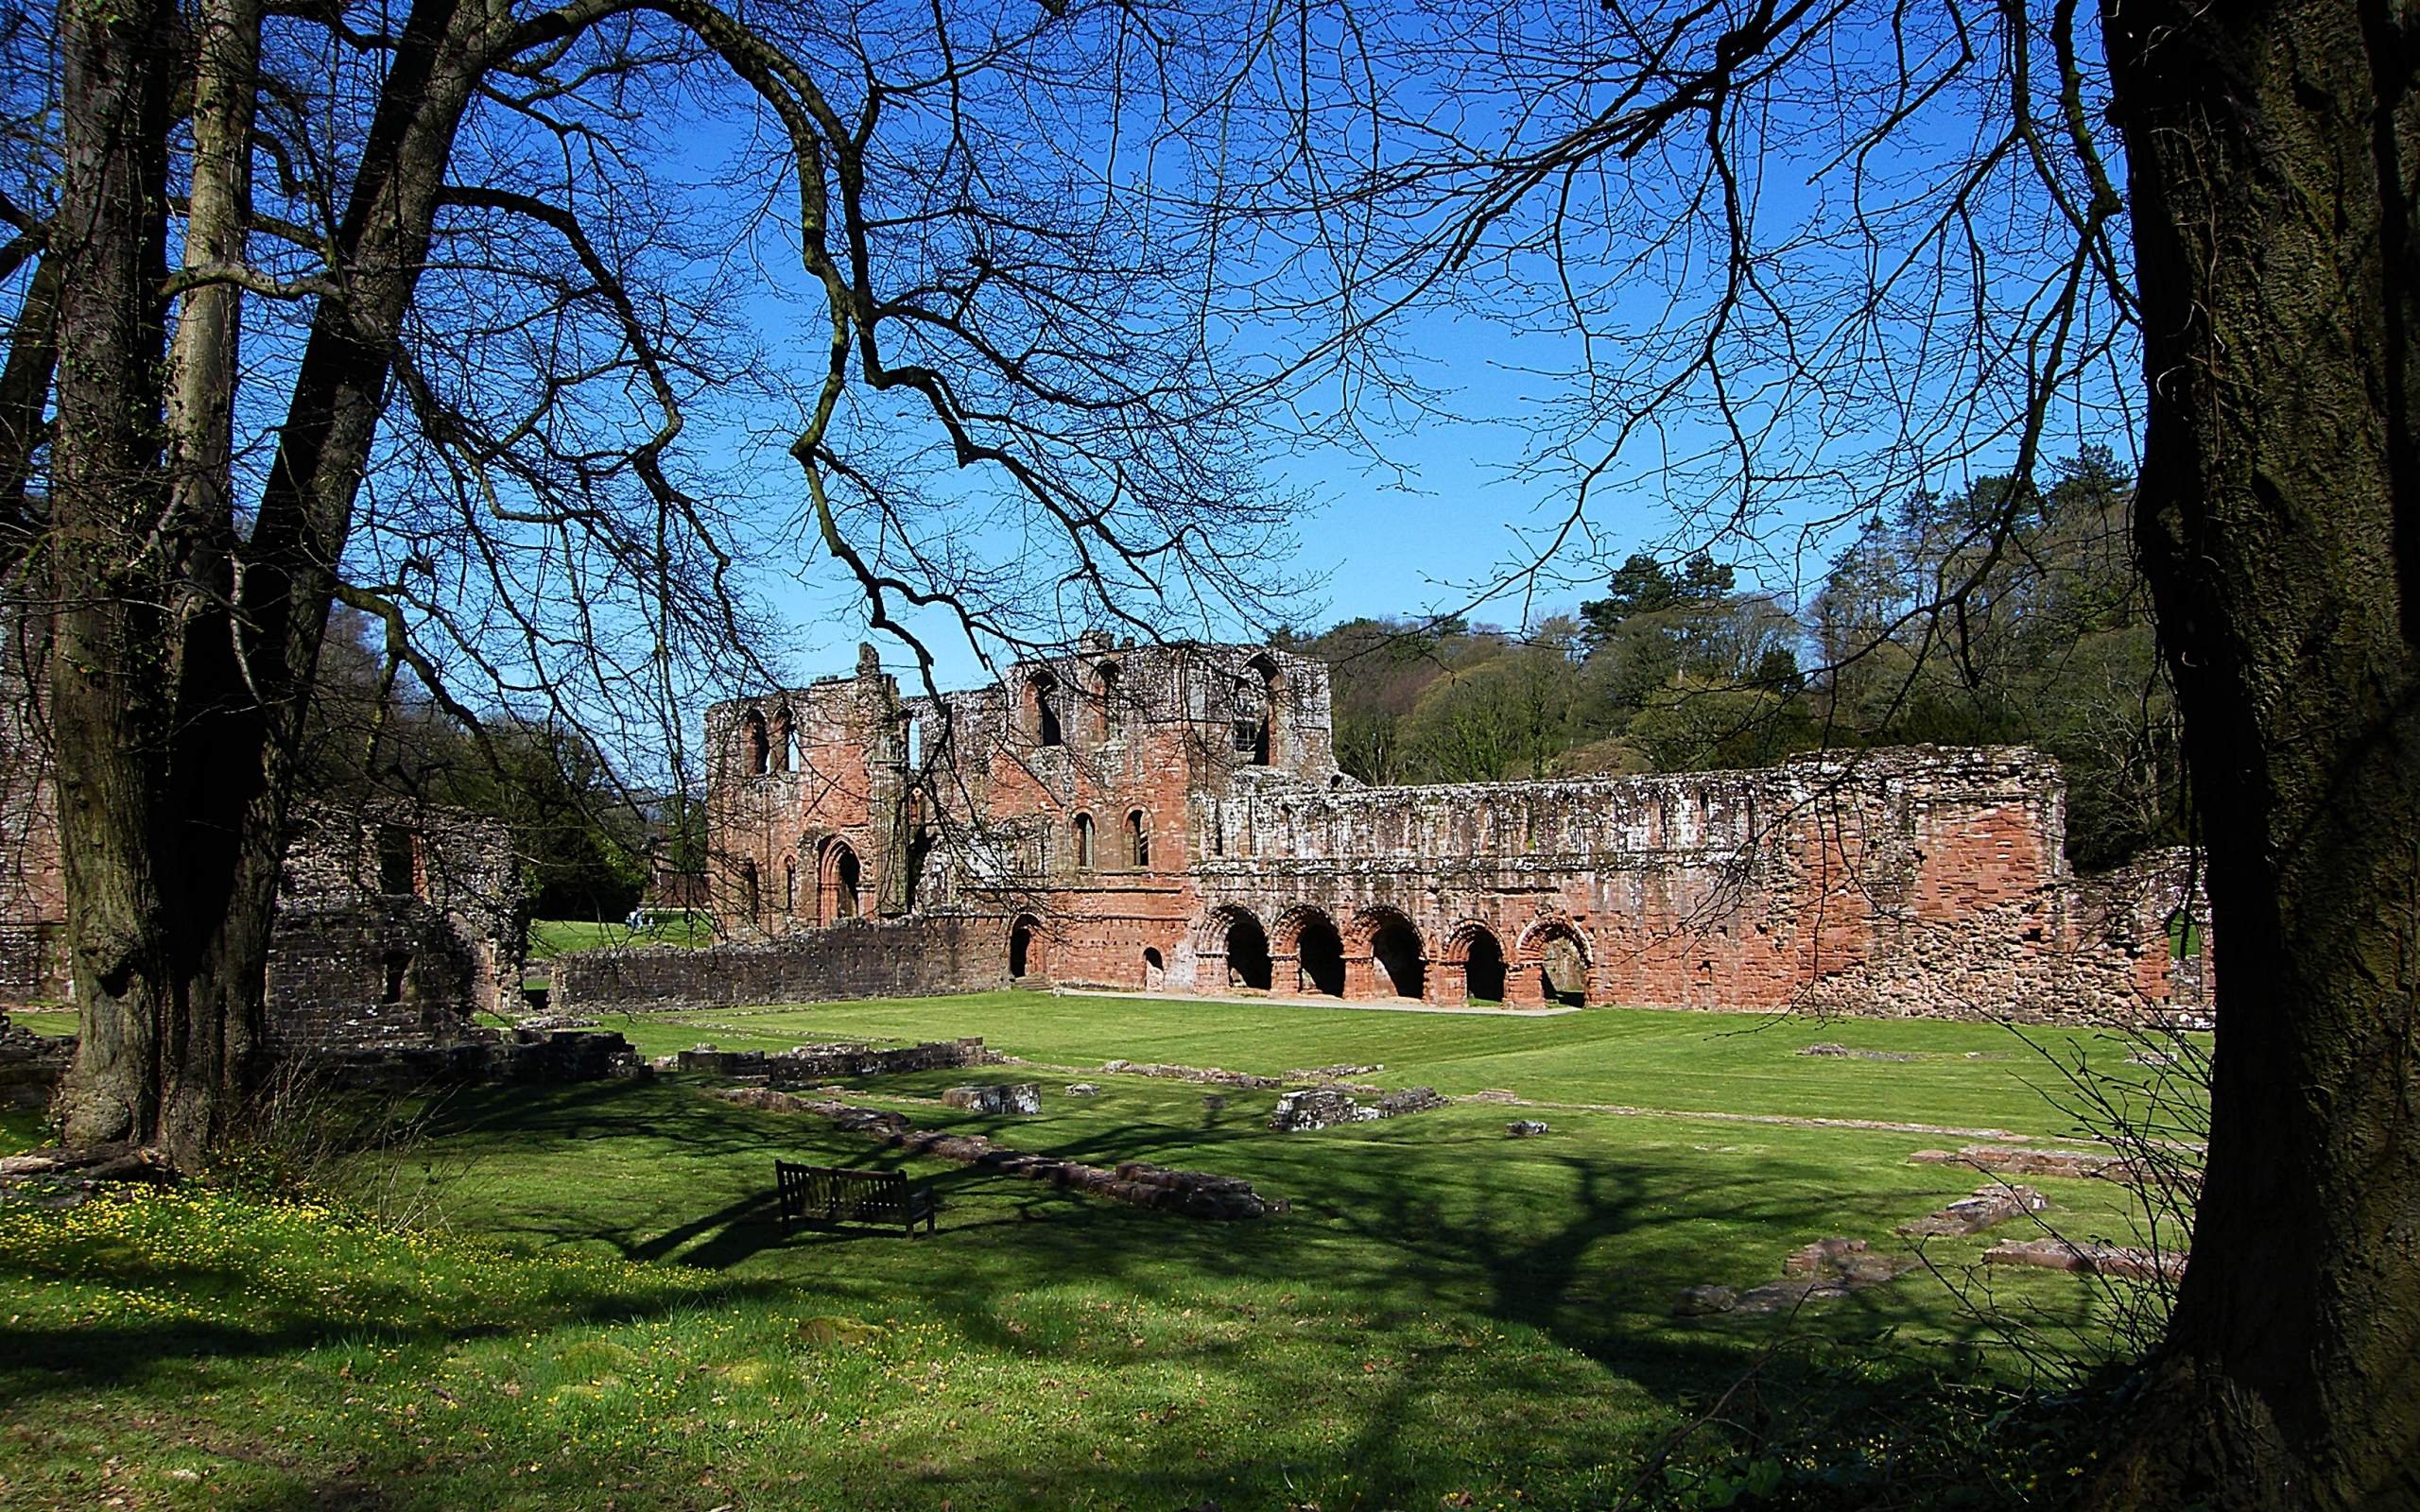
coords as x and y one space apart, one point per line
180 684
108 696
2273 153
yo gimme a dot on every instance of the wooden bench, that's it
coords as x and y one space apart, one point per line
824 1194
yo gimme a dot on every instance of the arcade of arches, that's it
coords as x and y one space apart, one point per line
1172 818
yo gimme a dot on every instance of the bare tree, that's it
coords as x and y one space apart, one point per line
1811 256
454 321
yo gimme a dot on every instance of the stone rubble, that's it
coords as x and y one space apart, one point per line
1824 1271
1993 1204
1210 1075
1525 1128
813 1065
2000 1160
1196 1194
1024 1097
1827 1048
1082 1089
2088 1257
1317 1107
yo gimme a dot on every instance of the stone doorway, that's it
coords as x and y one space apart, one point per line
1483 969
1248 955
1395 948
1322 951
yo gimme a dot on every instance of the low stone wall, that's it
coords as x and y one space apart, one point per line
31 1064
33 962
927 956
565 1055
813 1065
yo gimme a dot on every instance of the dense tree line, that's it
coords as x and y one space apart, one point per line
1997 614
586 843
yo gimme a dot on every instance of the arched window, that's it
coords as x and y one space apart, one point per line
1265 743
1138 839
1106 686
1084 841
1044 690
790 885
754 749
748 896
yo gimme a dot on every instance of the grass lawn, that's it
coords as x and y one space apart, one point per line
611 1319
550 937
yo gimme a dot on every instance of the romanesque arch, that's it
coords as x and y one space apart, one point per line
1550 963
1398 959
1311 939
1476 955
1233 949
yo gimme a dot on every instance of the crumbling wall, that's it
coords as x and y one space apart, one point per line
395 923
927 956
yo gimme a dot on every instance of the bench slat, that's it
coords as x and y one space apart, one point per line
824 1194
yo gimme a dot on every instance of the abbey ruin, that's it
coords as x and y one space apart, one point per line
1171 817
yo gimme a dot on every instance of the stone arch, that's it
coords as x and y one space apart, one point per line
790 885
1042 694
748 898
755 747
782 757
1398 957
1138 839
1029 949
840 880
1553 955
1309 938
1155 969
1475 955
1086 857
1234 950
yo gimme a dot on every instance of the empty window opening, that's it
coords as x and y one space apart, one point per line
1483 969
1563 970
1271 689
1022 952
1109 711
790 885
1045 717
747 895
1248 955
399 869
1396 948
1322 950
1155 970
396 966
1084 841
920 850
1138 839
794 752
916 744
755 749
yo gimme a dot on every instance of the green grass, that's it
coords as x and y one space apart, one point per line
550 937
614 1320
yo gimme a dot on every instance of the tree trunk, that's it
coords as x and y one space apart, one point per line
181 683
2272 151
108 695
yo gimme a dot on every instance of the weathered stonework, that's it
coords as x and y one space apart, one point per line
923 957
395 923
1172 818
